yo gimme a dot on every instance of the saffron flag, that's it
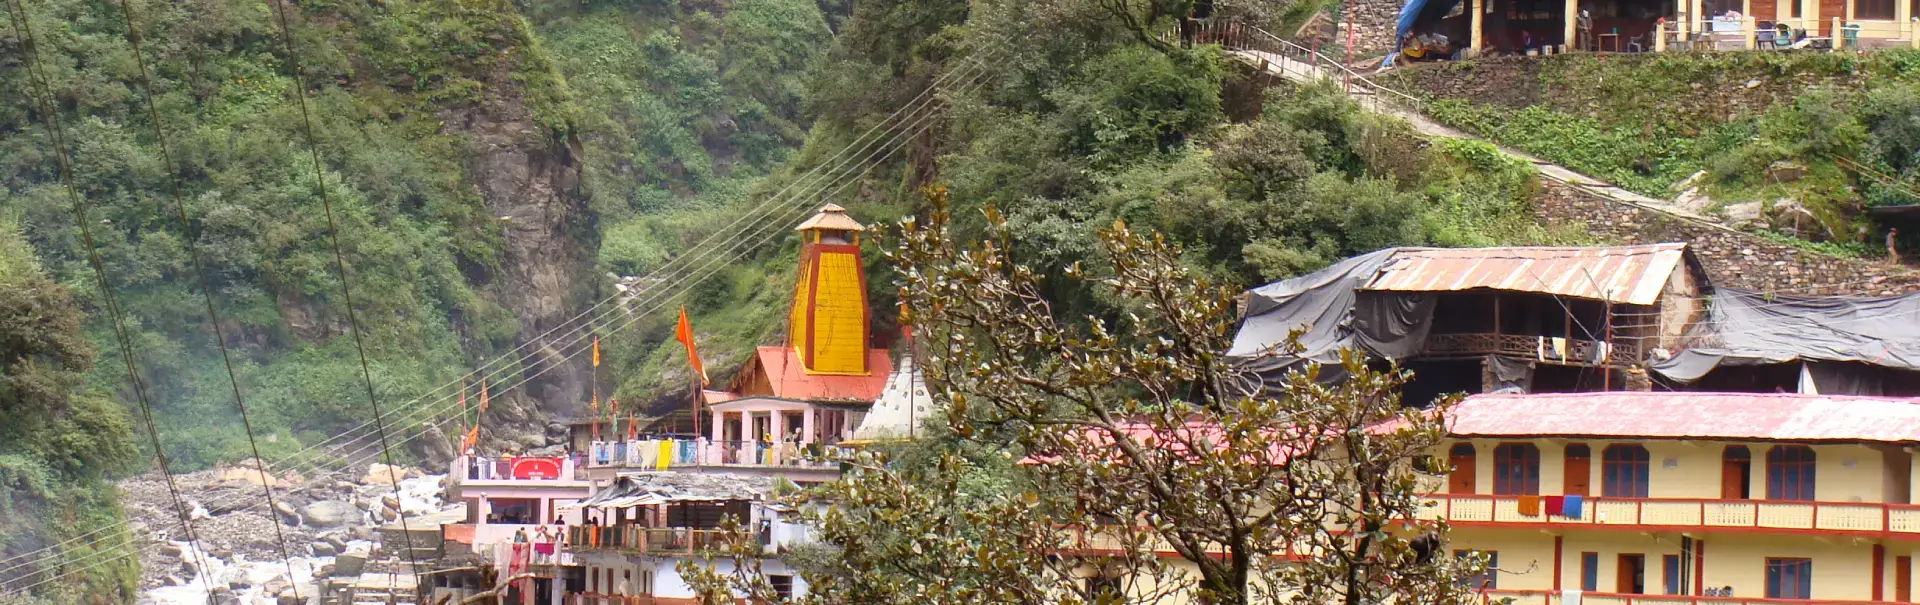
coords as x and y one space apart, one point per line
684 334
596 351
483 397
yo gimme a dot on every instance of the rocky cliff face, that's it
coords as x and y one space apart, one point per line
526 167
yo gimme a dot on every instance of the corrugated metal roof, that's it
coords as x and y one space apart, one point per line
1756 416
1623 274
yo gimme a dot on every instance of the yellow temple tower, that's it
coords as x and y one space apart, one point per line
827 327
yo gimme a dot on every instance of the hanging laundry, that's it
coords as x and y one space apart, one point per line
1556 505
664 455
1572 510
1559 348
1530 506
646 453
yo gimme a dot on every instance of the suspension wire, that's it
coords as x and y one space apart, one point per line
36 73
206 289
911 124
346 289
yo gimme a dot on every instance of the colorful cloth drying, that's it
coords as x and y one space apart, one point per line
1572 510
1556 505
665 455
1530 506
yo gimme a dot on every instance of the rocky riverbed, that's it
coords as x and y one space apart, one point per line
239 552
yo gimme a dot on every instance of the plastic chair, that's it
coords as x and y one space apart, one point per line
1850 36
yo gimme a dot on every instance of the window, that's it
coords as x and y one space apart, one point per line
1789 578
1795 6
1790 473
1623 471
1516 469
1589 571
1670 573
782 586
1486 580
1873 9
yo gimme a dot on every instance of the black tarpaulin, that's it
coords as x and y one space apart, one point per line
1744 327
1331 314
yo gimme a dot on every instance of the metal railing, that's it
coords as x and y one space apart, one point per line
1866 518
670 453
1293 60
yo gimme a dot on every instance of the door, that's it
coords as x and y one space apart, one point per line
1762 10
1461 479
1828 10
1631 574
1903 579
1579 470
1736 473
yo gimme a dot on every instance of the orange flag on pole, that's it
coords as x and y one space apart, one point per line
684 334
596 351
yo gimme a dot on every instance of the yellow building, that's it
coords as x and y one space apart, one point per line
1707 497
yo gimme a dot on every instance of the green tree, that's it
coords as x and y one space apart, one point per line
60 441
1140 438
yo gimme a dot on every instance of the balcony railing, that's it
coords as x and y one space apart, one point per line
1688 513
1574 351
657 540
1548 597
670 453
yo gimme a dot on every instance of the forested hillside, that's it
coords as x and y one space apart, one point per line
497 167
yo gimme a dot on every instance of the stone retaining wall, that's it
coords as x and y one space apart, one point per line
1730 258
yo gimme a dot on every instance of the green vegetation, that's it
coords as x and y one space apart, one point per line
1842 126
61 440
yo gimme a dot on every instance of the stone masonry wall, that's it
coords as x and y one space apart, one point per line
1730 258
1372 24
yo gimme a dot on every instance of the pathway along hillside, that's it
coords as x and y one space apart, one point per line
1732 255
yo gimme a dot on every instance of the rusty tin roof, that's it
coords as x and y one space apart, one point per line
1623 274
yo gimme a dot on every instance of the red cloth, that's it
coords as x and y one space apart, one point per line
1556 505
545 548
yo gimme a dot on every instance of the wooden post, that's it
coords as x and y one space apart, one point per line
1839 35
1573 15
1479 16
1751 35
1660 36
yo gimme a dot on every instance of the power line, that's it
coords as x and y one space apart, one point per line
916 126
346 287
206 289
36 73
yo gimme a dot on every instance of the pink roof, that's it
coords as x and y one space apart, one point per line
1094 440
790 380
1756 416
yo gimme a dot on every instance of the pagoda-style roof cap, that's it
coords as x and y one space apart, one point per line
831 216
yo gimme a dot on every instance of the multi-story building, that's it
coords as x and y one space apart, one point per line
1666 497
641 527
1560 320
516 511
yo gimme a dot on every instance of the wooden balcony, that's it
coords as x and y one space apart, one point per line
1689 514
1619 354
665 541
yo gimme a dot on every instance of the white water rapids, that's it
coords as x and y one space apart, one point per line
418 496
